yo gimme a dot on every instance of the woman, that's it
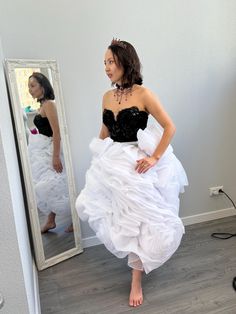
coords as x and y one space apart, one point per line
131 194
45 155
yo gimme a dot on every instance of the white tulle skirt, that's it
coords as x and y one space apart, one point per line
134 214
51 187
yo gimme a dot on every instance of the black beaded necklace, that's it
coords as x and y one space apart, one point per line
121 90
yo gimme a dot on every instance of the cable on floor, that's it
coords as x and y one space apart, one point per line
224 235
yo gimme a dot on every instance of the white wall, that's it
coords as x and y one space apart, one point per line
187 49
18 275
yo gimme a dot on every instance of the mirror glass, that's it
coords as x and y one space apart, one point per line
43 143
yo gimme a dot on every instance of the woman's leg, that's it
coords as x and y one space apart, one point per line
69 228
136 294
50 223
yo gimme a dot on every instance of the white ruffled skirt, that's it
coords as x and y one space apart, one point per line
134 214
51 187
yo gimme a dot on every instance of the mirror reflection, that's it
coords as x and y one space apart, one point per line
45 154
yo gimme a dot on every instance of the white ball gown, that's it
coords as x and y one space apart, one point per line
131 213
51 188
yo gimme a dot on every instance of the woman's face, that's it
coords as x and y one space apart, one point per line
35 89
113 70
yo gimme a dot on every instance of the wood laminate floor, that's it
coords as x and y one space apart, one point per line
57 241
196 280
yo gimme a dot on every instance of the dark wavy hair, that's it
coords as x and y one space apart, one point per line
45 84
127 57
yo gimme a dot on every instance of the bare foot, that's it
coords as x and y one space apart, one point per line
136 294
69 228
48 226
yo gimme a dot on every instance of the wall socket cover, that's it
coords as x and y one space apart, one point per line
215 190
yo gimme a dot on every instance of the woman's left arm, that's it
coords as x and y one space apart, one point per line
155 108
51 113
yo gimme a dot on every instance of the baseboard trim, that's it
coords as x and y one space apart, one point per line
90 241
208 216
187 220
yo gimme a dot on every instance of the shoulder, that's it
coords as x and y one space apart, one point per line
149 99
107 97
145 92
49 104
142 91
147 96
49 107
108 93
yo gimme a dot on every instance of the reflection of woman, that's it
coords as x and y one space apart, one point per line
45 154
131 194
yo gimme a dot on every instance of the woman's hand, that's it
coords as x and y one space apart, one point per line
144 164
57 165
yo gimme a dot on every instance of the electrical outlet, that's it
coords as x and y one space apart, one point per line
215 190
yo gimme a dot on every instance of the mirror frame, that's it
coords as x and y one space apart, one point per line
10 66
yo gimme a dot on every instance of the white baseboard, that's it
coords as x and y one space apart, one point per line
91 241
216 214
187 220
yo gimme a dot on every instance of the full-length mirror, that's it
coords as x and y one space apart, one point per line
42 137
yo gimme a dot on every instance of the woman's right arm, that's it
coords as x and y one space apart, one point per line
104 130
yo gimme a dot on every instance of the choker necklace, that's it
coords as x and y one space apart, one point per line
125 85
121 90
41 100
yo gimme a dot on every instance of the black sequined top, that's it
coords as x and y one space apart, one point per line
43 125
127 123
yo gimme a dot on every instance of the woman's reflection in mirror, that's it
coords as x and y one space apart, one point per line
46 156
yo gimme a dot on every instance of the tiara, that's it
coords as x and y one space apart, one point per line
117 42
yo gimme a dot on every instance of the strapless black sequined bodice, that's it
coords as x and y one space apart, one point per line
125 126
43 125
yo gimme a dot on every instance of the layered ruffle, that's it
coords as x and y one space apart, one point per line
134 214
51 188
